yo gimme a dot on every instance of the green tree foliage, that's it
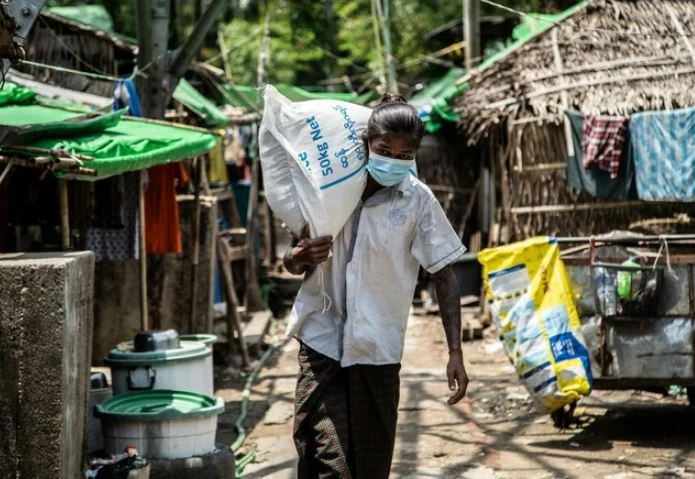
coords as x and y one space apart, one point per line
323 42
316 41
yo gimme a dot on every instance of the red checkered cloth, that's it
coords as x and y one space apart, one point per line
345 418
603 140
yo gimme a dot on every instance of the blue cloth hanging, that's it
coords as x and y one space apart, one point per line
125 95
663 146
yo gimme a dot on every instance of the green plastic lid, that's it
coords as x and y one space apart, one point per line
159 404
123 354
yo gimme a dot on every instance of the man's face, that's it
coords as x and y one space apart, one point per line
393 146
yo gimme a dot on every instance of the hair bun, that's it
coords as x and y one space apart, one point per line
389 97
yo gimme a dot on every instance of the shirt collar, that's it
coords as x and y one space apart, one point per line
403 186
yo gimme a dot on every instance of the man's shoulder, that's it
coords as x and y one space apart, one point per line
417 188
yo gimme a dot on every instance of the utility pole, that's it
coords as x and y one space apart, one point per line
156 86
152 18
471 32
384 13
376 25
153 37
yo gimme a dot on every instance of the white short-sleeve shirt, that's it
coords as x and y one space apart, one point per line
354 308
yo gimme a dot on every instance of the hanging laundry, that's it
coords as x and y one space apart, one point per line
663 145
595 181
603 140
235 154
162 228
217 171
125 95
119 244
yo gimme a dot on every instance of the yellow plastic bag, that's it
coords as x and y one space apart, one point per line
530 298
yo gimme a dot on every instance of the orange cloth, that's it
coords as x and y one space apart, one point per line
162 229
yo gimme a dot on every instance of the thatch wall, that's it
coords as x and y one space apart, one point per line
611 57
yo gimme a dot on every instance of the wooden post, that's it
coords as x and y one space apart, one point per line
144 316
225 54
233 320
384 14
471 32
198 166
254 300
273 253
64 214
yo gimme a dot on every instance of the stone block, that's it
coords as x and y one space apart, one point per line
46 309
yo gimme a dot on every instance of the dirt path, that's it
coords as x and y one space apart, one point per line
494 433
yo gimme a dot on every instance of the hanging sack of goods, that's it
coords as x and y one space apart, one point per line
313 160
531 300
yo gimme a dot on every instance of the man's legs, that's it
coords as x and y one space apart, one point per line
320 420
373 397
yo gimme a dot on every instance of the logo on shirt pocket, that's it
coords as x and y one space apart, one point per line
397 217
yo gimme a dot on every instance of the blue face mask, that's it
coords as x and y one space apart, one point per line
388 171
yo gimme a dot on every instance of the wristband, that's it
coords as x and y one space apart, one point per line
455 348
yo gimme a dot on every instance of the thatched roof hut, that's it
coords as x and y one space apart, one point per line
603 57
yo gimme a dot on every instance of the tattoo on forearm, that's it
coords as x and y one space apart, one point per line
448 297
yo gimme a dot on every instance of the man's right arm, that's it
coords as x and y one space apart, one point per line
307 253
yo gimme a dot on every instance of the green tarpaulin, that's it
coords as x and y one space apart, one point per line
134 145
246 97
117 144
56 123
95 16
201 106
434 101
12 94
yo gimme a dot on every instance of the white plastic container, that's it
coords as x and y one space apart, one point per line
161 424
187 367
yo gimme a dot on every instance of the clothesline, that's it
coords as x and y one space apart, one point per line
98 76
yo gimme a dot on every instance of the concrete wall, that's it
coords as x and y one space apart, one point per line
117 286
45 350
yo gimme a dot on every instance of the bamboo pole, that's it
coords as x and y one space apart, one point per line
469 209
233 320
254 300
564 97
471 28
589 83
224 51
526 210
144 320
681 31
6 170
541 167
195 259
64 214
590 67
